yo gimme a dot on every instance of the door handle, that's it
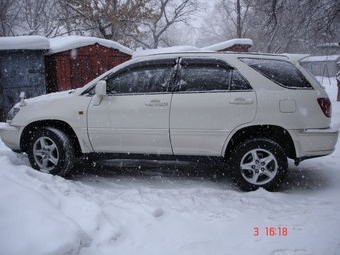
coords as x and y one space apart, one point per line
156 102
242 101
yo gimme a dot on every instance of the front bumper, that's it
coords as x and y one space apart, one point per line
10 135
314 142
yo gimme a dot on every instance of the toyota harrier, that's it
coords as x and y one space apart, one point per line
251 112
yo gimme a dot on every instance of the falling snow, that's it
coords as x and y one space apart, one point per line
121 208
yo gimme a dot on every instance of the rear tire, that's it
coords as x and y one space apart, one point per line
51 150
258 163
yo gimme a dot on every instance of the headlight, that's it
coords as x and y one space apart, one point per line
12 113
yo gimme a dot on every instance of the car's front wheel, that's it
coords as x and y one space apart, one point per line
258 163
51 150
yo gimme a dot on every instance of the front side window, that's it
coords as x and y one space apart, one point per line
149 79
281 72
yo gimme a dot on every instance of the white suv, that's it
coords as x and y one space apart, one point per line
250 111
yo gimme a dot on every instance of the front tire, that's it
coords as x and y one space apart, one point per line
50 150
258 163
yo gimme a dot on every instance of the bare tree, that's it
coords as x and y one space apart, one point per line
39 17
229 19
237 12
9 13
327 20
276 25
109 19
295 26
152 32
30 17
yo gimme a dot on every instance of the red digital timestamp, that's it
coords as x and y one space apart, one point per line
271 231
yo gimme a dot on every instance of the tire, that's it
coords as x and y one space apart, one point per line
258 163
51 150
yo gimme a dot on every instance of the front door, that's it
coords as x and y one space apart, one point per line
134 116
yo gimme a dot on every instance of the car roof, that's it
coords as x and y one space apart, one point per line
212 54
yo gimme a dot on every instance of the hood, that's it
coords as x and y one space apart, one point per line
46 98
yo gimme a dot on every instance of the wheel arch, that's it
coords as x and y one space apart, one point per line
275 133
57 124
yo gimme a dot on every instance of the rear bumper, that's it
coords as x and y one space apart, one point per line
314 142
10 136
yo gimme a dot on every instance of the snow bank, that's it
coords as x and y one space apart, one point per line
39 214
29 216
24 43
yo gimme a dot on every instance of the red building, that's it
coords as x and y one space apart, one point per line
73 61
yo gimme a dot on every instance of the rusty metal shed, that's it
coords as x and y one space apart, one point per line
21 69
74 61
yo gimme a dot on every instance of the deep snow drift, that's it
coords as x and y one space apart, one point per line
167 211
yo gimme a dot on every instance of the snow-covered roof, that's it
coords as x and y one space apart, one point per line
24 43
321 58
173 49
60 44
57 44
328 45
229 43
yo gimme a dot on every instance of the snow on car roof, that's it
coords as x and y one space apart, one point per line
60 44
229 43
174 49
24 43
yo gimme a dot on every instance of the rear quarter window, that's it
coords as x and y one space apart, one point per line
281 72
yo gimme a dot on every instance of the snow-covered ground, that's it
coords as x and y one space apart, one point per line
165 211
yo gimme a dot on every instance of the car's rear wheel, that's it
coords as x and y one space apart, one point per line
258 163
51 150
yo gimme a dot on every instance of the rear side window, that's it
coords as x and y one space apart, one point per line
211 75
281 72
199 78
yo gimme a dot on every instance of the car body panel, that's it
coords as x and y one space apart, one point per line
314 142
63 106
200 122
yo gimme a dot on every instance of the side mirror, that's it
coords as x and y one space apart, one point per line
100 93
22 97
101 88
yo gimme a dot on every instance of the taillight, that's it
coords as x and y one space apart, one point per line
326 106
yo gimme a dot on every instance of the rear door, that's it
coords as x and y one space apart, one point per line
211 99
134 116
